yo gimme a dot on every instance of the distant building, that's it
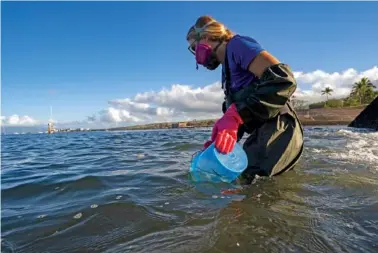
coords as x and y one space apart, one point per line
183 124
179 125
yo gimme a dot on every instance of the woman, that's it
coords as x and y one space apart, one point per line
257 91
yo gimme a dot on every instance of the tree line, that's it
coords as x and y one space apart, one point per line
363 92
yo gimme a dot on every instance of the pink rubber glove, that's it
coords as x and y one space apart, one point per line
225 131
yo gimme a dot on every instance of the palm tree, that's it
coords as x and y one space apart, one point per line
363 89
327 91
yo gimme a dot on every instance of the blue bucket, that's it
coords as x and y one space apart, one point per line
210 165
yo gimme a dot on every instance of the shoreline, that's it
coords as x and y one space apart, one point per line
304 123
307 117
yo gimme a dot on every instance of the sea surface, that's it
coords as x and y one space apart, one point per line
131 192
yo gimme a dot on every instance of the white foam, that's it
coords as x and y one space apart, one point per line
361 147
78 216
315 150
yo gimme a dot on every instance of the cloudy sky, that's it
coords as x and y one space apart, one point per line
100 64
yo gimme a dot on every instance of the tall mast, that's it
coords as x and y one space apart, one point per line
50 113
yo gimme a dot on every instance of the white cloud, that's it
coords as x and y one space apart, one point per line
184 102
340 82
117 115
16 120
180 102
184 98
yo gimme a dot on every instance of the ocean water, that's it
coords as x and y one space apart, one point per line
131 192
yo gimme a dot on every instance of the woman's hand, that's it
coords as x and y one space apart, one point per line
225 130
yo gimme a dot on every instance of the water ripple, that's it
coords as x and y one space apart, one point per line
131 192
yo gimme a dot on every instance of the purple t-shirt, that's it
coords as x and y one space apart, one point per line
241 50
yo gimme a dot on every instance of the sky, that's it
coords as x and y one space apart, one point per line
120 63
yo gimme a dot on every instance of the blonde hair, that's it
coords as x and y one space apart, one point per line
213 30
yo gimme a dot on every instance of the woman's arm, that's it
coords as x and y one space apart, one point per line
261 62
276 85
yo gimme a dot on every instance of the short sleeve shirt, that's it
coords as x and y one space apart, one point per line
241 50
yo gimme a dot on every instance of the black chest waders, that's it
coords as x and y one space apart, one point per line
275 143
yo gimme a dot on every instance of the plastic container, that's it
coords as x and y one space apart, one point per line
210 165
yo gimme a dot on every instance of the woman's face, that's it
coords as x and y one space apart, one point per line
204 53
193 44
